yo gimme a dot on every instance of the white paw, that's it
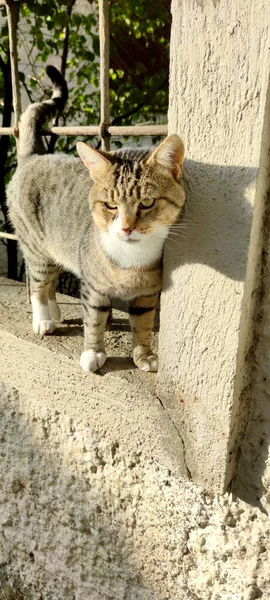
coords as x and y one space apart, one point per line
54 310
44 327
91 360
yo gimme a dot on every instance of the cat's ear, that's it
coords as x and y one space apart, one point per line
95 161
169 154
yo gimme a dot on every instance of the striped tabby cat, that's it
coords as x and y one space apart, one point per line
104 218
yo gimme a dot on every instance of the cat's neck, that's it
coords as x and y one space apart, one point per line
128 254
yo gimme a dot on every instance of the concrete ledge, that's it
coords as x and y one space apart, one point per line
119 403
91 503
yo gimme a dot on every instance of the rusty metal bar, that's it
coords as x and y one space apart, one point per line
138 130
9 236
13 9
113 130
6 130
104 44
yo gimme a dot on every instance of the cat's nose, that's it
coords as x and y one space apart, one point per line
127 230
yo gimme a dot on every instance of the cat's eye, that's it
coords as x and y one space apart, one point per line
111 205
147 203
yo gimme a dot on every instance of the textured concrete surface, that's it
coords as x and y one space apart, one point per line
120 401
91 503
253 479
218 86
82 517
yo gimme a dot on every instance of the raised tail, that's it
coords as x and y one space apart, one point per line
37 114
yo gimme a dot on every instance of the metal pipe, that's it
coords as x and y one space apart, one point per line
6 130
104 44
89 130
13 9
138 130
9 236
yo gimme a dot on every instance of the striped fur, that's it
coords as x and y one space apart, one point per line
108 228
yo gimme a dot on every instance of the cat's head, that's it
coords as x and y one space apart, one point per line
136 194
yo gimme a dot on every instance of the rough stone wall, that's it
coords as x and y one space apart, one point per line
253 479
218 86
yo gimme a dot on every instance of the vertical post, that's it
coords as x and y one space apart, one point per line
13 9
213 282
104 41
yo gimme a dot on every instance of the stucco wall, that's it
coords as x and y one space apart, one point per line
253 478
218 86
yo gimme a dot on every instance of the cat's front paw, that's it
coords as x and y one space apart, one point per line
44 327
91 360
147 362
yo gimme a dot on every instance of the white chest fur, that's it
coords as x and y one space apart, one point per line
138 251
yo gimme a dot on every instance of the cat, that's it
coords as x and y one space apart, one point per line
104 217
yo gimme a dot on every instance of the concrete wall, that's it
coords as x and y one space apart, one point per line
218 86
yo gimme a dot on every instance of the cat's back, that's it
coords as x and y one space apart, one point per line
49 173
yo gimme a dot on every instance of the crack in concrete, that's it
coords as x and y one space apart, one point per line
189 476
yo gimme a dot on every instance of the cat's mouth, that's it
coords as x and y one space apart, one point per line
129 239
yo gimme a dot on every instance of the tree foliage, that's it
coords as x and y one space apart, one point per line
139 51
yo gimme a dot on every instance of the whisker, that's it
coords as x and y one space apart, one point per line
175 234
177 231
168 239
176 241
179 228
182 224
182 220
167 244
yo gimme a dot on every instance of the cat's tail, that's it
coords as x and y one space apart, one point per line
37 114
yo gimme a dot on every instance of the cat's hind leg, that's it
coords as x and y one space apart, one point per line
42 275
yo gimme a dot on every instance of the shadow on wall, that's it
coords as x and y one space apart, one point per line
252 483
216 221
216 231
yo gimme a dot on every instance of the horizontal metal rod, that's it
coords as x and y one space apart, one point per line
138 130
9 236
95 130
6 130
